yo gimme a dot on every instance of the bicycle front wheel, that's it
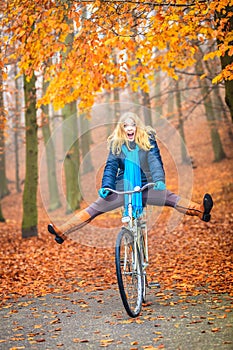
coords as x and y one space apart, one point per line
143 263
129 272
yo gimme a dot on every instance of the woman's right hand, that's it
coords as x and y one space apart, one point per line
103 193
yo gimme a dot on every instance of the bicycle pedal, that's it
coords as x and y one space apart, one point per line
153 285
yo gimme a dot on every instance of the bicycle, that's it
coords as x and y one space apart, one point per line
131 257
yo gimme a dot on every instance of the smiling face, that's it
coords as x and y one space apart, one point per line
130 128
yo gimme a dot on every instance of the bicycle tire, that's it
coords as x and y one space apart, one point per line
143 259
129 278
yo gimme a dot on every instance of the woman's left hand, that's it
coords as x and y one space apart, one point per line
159 186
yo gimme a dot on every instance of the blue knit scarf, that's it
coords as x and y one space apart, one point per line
132 178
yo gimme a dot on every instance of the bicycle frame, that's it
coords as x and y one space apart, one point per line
132 258
133 224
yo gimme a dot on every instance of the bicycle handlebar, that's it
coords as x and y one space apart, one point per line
136 189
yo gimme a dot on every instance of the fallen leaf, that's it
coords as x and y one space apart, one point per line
215 330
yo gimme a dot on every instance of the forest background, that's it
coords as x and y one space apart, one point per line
63 63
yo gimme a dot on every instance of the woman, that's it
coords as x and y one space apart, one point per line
134 160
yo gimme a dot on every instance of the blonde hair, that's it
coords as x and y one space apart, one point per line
142 136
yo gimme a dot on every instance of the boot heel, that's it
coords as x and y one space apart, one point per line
206 217
208 205
59 240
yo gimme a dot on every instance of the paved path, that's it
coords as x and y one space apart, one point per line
96 320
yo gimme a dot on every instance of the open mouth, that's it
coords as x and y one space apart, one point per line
130 136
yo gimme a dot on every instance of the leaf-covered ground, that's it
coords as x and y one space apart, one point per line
195 257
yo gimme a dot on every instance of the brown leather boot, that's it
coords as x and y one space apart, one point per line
59 236
194 209
75 223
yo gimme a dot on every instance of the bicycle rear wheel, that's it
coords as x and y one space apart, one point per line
129 273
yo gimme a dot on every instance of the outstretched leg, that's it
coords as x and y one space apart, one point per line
83 217
182 205
191 208
75 223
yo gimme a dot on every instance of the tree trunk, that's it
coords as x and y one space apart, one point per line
157 91
184 156
85 144
227 59
72 161
70 142
3 180
16 143
170 102
110 111
54 200
30 216
16 130
117 107
220 108
147 108
1 215
136 101
228 86
219 153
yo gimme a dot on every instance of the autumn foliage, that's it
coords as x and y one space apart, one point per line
83 48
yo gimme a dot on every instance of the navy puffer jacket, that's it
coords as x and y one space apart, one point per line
150 163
